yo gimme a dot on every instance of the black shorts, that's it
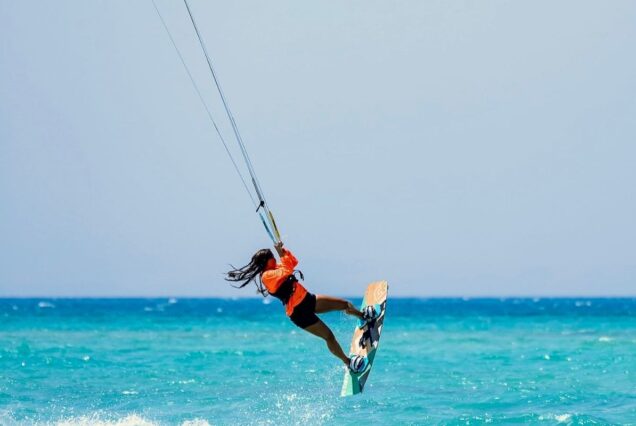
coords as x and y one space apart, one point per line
304 314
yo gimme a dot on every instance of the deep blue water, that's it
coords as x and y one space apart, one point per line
222 361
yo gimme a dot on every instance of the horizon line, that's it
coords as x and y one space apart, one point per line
483 297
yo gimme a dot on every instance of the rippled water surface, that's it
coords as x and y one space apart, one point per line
220 361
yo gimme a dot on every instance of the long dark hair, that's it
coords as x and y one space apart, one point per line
252 271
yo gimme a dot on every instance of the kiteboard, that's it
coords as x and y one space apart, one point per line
366 339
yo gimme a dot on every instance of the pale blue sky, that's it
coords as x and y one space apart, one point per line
454 148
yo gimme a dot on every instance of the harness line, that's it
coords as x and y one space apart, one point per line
268 219
205 105
237 134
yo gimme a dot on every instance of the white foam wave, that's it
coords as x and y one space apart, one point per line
95 420
560 418
99 419
195 422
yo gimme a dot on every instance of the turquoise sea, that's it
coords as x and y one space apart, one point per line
222 361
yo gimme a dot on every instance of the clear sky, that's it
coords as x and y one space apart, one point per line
454 148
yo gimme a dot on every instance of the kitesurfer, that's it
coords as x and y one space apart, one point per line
279 280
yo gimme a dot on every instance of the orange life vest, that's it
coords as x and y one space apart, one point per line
278 283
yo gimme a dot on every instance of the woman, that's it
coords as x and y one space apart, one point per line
301 306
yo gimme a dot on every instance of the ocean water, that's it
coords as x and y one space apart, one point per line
221 361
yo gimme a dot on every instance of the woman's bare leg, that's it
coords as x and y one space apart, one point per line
328 304
321 330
